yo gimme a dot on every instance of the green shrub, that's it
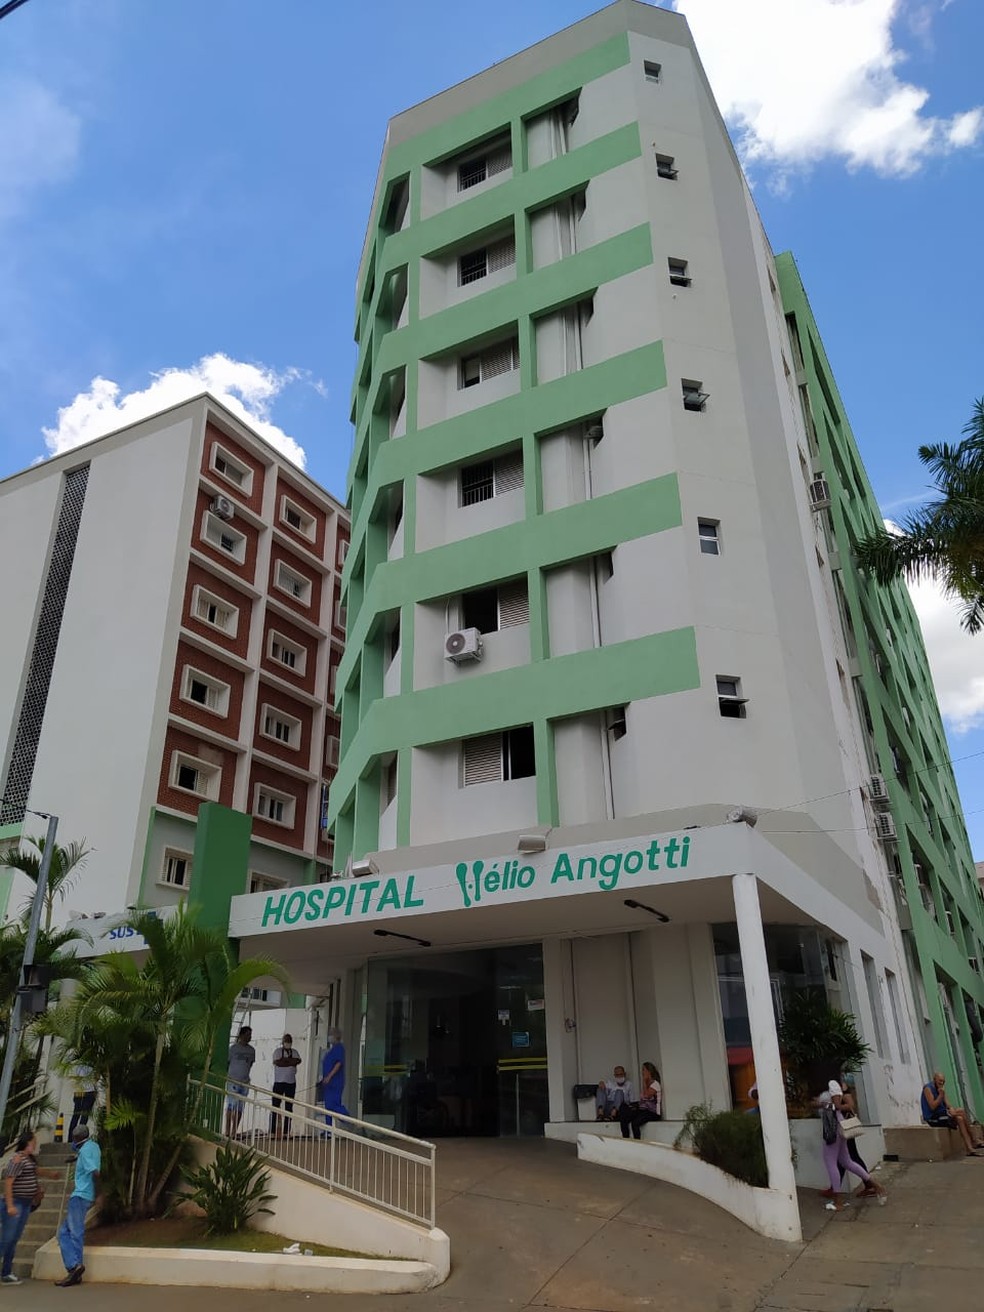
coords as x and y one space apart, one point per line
729 1140
231 1190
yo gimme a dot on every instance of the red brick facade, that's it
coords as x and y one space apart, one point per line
254 497
178 740
309 507
215 668
309 608
276 700
199 577
245 569
300 638
271 777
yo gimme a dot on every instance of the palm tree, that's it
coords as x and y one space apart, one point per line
943 539
144 1028
66 866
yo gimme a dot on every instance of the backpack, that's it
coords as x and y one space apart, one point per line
829 1119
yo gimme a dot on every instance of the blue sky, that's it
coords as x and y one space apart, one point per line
188 180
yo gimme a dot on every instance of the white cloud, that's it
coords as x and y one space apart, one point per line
39 143
247 389
956 658
804 80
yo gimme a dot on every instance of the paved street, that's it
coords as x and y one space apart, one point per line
532 1227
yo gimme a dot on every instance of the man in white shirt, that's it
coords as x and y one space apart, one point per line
612 1095
286 1060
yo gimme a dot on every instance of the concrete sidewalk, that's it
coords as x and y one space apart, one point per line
531 1227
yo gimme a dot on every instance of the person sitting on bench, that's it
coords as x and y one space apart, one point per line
612 1095
938 1113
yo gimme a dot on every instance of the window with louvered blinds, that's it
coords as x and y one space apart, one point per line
514 604
482 759
500 359
509 472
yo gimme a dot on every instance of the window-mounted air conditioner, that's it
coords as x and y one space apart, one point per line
819 494
877 790
463 645
885 826
224 507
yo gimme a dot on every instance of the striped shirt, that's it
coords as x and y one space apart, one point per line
22 1169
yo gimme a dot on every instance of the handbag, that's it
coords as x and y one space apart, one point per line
851 1127
38 1198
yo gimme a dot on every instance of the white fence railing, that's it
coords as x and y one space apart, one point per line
381 1167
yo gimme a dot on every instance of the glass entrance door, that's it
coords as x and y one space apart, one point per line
455 1043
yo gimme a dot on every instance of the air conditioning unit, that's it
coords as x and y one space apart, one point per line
463 645
877 790
819 494
224 507
885 826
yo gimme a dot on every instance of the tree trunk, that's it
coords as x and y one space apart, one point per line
151 1119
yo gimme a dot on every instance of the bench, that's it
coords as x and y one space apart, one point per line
922 1143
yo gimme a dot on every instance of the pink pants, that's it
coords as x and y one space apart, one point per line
837 1159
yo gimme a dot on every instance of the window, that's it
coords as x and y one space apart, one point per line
295 585
276 807
194 776
679 275
291 655
389 782
731 703
487 259
176 870
615 722
281 727
707 531
694 398
665 167
500 359
343 550
495 158
341 615
491 609
874 1001
264 883
497 757
232 470
204 691
490 478
653 71
393 641
221 535
294 517
208 608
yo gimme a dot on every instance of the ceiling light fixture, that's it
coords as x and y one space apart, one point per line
391 933
641 906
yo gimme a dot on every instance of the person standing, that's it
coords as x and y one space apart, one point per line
333 1076
836 1158
71 1232
242 1054
286 1060
21 1192
84 1099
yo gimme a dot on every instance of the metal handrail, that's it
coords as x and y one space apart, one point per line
383 1168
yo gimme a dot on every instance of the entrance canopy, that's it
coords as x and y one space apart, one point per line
319 930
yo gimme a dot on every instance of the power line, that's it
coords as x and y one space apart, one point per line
10 6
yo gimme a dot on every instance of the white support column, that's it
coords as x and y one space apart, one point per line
765 1043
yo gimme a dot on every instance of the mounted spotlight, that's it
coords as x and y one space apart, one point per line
391 933
641 906
531 843
361 869
743 815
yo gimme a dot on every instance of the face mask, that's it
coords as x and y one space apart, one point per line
619 1079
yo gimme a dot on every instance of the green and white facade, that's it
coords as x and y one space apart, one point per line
590 447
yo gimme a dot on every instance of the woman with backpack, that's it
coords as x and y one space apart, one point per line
836 1157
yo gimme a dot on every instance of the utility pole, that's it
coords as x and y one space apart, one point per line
17 1007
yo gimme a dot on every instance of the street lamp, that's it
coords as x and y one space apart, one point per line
34 981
